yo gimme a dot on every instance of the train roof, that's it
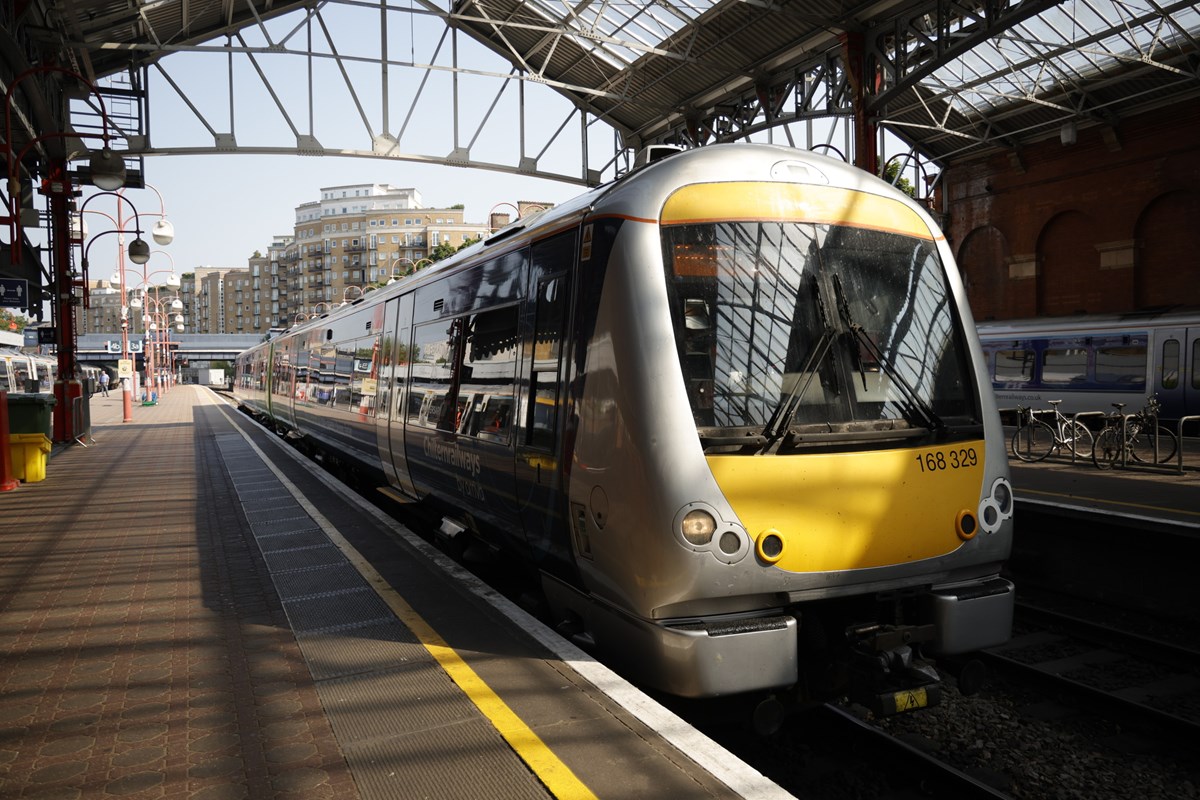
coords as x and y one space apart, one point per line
1087 323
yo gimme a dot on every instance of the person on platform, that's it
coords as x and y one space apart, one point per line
104 383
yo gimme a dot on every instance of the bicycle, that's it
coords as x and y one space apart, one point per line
1035 439
1134 438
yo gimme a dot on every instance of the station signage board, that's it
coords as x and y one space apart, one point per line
14 292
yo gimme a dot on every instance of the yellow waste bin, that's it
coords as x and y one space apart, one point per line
29 451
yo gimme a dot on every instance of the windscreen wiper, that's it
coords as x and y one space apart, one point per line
914 406
778 421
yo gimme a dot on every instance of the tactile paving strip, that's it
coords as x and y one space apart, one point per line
404 726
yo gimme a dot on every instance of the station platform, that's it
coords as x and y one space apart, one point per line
1145 494
189 609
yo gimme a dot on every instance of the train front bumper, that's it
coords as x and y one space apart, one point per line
705 659
971 616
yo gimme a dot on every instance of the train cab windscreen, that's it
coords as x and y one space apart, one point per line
816 334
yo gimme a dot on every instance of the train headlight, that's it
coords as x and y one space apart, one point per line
1003 496
701 528
996 507
698 527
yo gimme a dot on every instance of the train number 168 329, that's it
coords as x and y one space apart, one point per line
948 459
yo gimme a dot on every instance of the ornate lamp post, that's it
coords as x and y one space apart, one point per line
138 298
139 253
158 323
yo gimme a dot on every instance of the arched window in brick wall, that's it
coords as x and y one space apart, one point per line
983 262
1167 251
1073 277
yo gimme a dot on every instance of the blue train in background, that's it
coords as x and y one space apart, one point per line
1091 362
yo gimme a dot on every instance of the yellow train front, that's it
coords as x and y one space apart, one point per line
729 410
787 469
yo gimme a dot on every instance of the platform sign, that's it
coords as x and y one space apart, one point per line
124 367
14 292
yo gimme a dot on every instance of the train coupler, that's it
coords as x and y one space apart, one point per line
887 674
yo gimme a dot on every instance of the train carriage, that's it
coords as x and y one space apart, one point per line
23 372
1092 361
730 409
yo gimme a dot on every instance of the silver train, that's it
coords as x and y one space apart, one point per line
36 374
1091 362
729 409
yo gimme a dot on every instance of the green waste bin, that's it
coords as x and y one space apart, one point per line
31 413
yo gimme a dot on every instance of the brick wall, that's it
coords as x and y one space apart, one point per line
1110 223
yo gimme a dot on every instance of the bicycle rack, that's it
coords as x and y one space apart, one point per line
1125 438
1179 444
1075 420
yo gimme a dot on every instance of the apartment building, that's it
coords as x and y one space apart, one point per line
357 236
354 237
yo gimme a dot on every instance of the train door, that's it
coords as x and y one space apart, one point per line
393 391
540 471
1168 374
1191 374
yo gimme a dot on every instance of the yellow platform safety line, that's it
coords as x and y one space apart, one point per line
552 772
1084 498
541 760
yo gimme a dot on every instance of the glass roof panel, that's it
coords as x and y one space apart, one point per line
635 26
1066 44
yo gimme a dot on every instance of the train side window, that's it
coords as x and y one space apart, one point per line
281 379
1123 366
1170 364
1065 365
363 376
489 372
1014 365
1196 364
542 413
20 367
432 364
343 370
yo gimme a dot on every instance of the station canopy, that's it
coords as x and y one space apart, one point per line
953 78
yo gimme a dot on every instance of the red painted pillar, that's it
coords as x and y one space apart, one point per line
866 155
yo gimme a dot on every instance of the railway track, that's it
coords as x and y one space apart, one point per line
826 752
901 769
1149 682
